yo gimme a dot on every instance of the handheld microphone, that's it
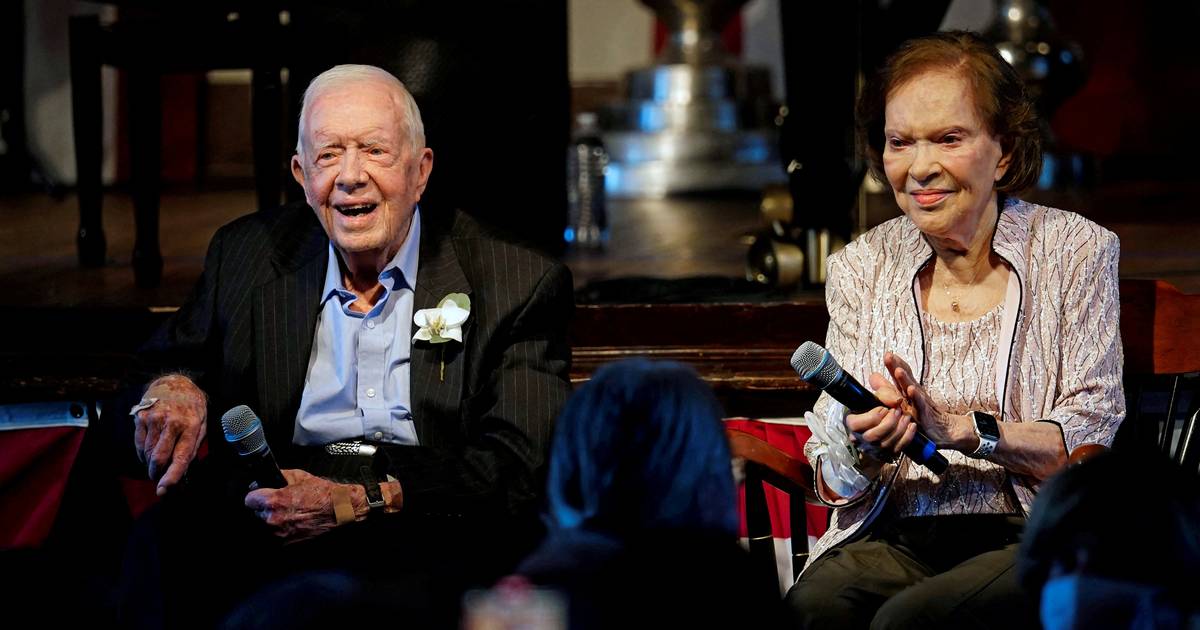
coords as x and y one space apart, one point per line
243 430
816 365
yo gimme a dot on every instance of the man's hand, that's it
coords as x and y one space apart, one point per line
304 508
168 434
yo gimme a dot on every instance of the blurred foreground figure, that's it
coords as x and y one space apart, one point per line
1115 543
642 513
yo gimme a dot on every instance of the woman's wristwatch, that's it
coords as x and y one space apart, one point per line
988 432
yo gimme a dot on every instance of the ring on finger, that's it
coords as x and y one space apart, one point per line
143 405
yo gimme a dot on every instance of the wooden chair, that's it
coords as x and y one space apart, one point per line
763 462
1187 452
1160 328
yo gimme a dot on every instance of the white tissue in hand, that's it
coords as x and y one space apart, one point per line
839 462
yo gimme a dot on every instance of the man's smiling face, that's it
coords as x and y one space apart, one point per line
358 171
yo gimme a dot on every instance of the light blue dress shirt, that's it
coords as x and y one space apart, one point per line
357 385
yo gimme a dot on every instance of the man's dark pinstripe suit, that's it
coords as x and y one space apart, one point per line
247 330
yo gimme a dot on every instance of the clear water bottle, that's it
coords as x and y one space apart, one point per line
587 220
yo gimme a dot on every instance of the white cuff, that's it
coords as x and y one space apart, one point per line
839 458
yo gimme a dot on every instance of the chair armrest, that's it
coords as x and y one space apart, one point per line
779 468
1084 452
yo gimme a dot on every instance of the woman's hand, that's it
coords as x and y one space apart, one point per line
883 432
943 429
1027 448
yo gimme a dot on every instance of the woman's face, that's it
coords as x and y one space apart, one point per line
941 160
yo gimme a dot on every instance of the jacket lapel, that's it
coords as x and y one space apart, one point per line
436 391
918 254
285 316
1012 229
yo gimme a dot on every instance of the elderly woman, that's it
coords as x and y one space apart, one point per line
988 323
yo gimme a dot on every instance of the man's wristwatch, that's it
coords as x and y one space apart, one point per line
988 431
371 484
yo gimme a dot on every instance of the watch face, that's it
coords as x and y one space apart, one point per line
985 424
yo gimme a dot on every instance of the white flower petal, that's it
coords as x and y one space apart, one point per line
441 324
453 315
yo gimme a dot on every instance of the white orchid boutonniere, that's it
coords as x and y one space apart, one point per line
442 324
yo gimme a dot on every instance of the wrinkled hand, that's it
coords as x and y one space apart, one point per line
937 425
168 434
883 431
301 510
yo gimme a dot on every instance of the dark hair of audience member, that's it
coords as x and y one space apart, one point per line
1118 515
641 447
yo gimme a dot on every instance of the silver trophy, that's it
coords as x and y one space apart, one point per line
697 120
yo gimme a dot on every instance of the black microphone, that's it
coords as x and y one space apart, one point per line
816 365
243 430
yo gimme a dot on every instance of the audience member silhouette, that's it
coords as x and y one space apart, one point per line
1115 542
641 507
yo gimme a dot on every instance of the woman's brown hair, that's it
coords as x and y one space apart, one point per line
1001 100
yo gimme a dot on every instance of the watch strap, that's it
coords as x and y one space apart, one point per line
371 484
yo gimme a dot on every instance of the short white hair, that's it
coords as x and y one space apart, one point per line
343 75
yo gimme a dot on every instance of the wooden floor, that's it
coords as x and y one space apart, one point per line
1158 226
39 267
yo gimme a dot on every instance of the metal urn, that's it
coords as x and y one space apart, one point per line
697 120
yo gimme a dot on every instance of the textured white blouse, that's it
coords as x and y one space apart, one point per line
962 359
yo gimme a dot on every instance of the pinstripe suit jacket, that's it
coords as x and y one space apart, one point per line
247 330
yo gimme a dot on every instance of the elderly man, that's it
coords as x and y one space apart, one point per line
308 318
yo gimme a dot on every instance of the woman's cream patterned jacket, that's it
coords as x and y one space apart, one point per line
1060 330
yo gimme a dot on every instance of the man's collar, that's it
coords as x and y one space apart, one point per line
405 261
404 264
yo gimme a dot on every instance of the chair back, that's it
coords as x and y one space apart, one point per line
1160 330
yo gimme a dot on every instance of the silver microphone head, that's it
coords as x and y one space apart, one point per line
815 365
243 430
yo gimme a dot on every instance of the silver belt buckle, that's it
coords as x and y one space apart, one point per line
353 447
